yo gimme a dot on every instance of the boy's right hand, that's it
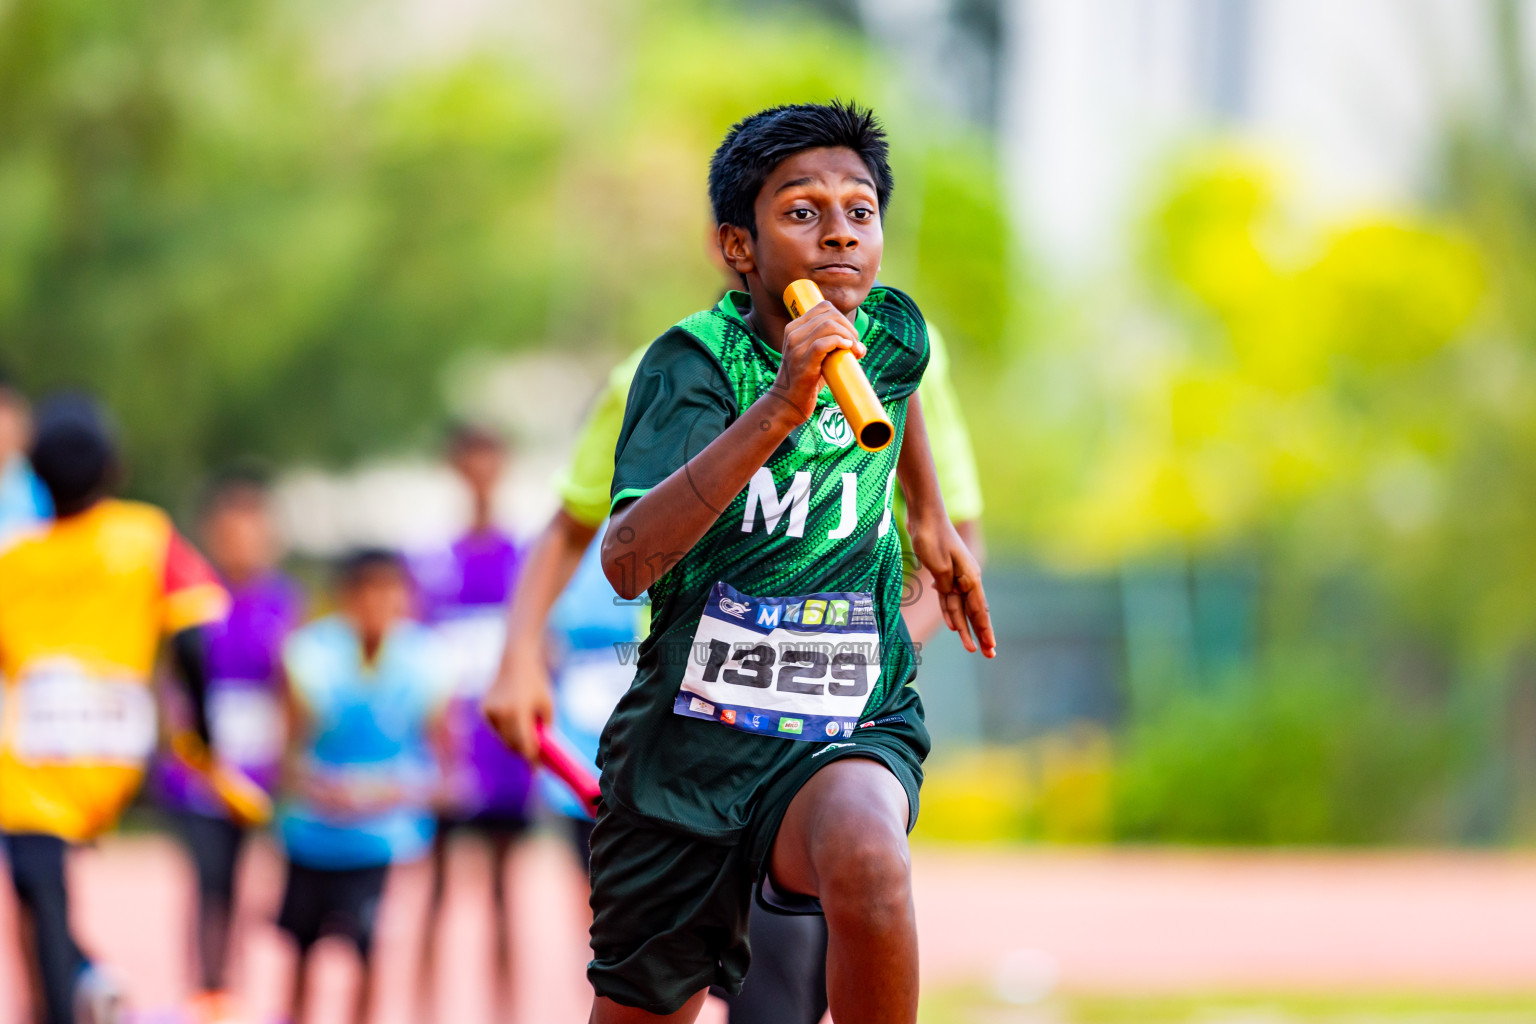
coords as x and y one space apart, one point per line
519 698
808 340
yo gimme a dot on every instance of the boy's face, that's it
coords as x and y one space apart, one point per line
817 217
377 599
480 465
240 537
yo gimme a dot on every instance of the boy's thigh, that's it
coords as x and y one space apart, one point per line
888 751
669 914
848 812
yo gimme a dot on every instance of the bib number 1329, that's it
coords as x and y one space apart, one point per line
808 671
797 667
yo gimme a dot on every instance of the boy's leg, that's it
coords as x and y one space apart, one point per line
215 848
300 987
426 982
303 909
501 906
37 871
363 1007
844 841
788 980
360 892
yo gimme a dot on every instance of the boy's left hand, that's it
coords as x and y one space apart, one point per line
957 578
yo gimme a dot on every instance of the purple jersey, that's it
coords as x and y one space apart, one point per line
245 710
464 593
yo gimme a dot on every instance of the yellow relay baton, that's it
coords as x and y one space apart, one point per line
247 803
843 374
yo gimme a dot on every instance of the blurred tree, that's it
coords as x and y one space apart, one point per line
259 231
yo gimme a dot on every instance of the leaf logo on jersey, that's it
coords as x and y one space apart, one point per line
834 427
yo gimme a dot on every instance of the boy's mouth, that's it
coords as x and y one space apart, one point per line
839 268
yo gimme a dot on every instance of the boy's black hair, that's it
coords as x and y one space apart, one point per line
756 145
362 563
73 452
463 436
237 483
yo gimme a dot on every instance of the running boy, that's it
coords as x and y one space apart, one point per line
85 602
787 755
366 688
245 713
464 590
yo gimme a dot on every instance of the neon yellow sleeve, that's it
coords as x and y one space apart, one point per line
953 457
585 481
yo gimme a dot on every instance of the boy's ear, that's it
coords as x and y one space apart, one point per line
736 248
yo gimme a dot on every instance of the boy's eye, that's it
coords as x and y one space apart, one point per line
861 213
801 213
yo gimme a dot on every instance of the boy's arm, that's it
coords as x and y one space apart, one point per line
956 574
292 778
924 614
189 649
647 536
193 599
520 695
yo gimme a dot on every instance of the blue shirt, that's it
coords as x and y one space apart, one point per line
23 499
366 732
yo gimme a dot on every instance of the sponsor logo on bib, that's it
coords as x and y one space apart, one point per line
795 667
834 428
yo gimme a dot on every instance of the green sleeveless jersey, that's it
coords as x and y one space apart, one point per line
815 519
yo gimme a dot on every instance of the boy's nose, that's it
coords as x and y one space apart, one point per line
840 233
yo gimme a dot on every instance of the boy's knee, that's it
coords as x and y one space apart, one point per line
864 863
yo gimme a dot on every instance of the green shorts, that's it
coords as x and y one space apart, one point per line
669 909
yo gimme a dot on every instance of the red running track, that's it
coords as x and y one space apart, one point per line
1123 921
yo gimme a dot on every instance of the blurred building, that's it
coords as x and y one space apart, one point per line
1349 97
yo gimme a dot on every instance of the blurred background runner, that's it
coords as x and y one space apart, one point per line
463 592
367 694
85 602
245 715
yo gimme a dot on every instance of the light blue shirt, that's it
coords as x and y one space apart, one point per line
367 729
24 501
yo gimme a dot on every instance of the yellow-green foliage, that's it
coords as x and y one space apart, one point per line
1053 788
271 228
1268 365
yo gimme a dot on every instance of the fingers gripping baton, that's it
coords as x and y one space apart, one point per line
846 378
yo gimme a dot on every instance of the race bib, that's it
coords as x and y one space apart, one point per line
799 668
62 712
246 721
472 644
